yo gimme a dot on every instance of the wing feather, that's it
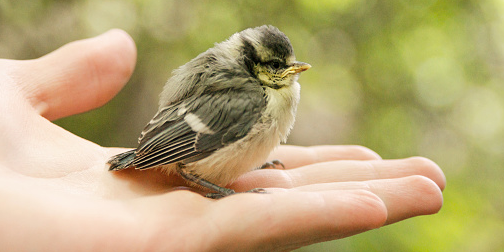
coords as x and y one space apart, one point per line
167 157
194 128
189 141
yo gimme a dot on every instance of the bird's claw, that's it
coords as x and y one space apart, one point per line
272 164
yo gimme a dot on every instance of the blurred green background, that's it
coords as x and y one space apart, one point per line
404 78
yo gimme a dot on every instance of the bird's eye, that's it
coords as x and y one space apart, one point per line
275 64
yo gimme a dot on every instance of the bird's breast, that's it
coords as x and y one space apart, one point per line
251 151
281 108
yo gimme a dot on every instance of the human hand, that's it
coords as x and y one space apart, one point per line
58 195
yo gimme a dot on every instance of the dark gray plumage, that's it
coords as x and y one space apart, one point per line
223 112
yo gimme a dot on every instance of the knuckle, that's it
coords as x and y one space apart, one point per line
372 206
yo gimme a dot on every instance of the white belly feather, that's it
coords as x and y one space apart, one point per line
228 163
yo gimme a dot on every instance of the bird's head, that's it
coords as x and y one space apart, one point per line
268 55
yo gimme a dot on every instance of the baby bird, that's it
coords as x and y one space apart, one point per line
222 113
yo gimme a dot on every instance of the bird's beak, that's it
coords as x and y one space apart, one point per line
295 68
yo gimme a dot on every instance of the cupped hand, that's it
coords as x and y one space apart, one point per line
58 195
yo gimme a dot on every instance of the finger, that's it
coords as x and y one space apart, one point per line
79 76
296 156
341 171
295 219
404 197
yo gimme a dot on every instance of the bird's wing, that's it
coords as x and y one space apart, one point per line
192 129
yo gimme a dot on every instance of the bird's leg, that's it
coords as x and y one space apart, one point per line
221 191
273 164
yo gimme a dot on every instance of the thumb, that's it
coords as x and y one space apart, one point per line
79 76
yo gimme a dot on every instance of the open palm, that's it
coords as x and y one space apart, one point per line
58 195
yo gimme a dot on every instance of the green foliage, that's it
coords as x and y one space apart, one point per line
404 78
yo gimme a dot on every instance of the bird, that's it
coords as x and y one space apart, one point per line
221 114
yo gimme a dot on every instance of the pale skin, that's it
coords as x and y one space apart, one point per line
57 194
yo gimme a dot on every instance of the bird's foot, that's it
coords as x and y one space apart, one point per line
272 164
222 195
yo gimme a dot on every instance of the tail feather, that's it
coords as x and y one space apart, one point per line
121 161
